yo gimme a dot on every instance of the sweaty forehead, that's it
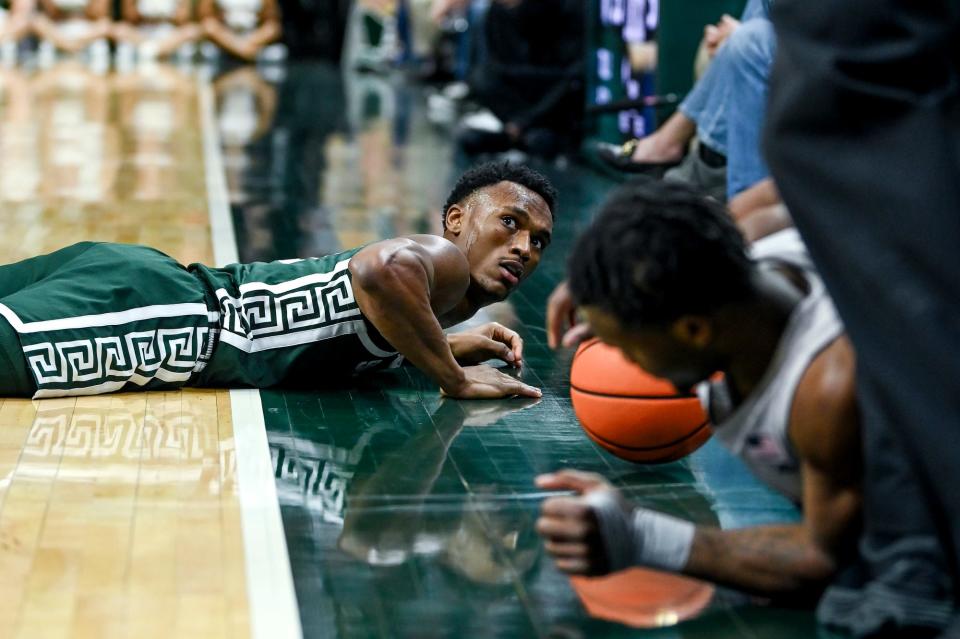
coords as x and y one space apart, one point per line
512 195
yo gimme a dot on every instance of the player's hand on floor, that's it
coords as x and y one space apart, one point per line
570 526
486 382
563 327
489 341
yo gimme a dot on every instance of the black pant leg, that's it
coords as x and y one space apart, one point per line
863 139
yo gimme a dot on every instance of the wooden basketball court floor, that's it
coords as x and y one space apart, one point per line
372 510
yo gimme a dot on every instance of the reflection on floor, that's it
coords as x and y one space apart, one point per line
119 514
101 157
120 517
407 515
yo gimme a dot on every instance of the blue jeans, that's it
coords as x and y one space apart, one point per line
755 9
728 103
471 48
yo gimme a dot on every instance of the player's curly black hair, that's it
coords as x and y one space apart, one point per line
658 251
490 173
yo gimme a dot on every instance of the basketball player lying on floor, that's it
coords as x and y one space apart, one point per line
96 317
665 276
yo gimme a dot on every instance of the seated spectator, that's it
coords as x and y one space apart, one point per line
74 26
157 28
530 83
725 111
242 28
15 22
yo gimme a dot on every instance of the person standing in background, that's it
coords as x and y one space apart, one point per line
863 140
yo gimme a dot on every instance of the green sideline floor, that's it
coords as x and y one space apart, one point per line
411 516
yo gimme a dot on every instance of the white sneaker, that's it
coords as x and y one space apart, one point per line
483 121
456 90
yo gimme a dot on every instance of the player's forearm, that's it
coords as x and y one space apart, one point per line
774 561
267 33
396 298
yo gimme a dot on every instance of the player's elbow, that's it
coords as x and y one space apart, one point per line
807 578
816 570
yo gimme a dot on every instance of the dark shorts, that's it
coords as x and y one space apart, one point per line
15 379
98 317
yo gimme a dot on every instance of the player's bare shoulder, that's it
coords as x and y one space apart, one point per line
824 418
451 270
439 260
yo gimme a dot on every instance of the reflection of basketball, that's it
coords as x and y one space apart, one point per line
631 413
643 598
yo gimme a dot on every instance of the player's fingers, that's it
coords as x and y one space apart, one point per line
525 390
560 307
577 334
563 530
509 337
573 566
516 345
569 507
571 480
571 550
496 348
556 326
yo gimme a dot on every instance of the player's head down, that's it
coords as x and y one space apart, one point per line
501 217
654 271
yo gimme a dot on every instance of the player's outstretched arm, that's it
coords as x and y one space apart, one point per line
403 285
598 531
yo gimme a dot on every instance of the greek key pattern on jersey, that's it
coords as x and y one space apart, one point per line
299 311
317 476
167 432
100 364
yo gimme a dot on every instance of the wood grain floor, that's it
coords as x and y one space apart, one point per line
119 514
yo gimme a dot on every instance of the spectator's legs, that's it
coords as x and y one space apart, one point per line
755 9
707 103
668 143
752 46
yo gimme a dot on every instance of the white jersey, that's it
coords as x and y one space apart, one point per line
241 15
757 429
157 9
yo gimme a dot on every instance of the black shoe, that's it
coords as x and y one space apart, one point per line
621 158
543 143
477 141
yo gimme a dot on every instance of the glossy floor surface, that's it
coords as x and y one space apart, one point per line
119 514
407 515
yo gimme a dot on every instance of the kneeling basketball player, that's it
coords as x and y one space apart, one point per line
665 276
97 317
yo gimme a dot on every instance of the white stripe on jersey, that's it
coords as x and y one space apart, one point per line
108 319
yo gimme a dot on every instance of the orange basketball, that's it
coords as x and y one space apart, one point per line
632 414
643 598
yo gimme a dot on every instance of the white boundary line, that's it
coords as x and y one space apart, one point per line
274 613
218 200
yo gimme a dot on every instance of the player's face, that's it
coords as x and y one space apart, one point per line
503 230
654 350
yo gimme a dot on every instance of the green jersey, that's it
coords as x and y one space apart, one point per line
97 317
291 322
